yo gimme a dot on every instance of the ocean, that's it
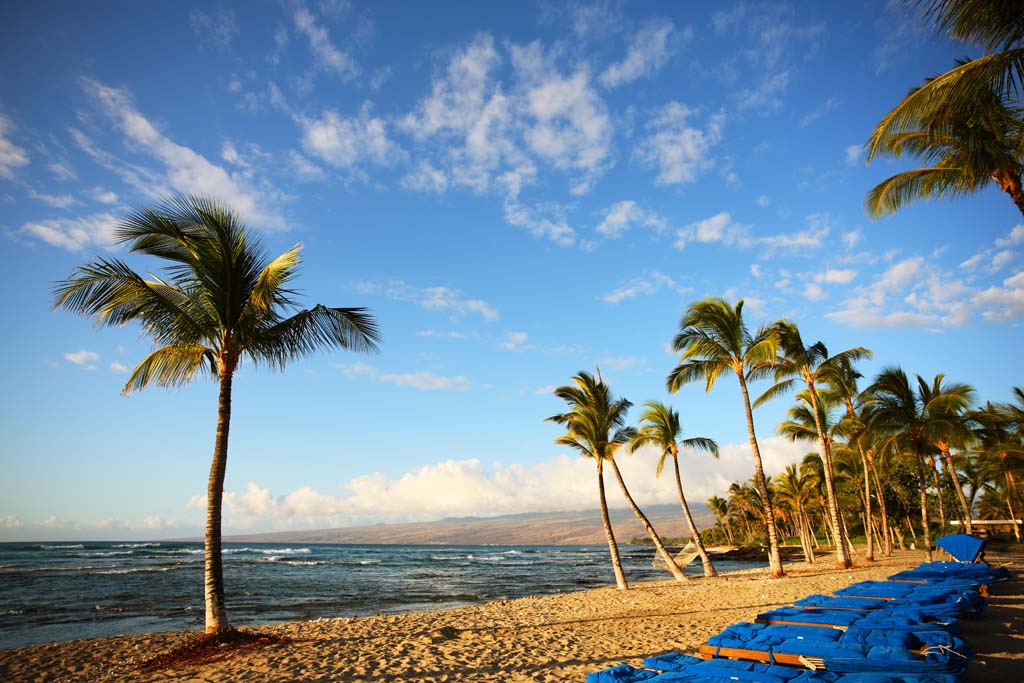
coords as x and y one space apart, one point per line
67 591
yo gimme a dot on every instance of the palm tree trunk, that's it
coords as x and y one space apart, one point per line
774 557
924 505
216 612
842 556
1010 490
709 569
620 577
883 509
947 460
869 554
1010 183
670 561
938 491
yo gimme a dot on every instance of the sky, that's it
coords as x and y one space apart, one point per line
518 191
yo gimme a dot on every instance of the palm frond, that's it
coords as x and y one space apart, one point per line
172 366
320 327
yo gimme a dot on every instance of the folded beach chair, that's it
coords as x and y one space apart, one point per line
926 650
893 616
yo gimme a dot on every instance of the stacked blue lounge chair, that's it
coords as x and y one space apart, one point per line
904 630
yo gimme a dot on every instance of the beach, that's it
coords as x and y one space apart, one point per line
552 638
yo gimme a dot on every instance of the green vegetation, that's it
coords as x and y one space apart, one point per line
222 302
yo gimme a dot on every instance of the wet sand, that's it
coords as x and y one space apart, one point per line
551 638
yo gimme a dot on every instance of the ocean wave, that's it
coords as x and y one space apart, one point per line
76 546
304 563
108 553
136 545
133 570
266 551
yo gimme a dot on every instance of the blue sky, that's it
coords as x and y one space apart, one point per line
517 191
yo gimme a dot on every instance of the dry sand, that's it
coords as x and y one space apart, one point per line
553 638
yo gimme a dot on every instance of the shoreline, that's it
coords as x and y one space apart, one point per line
551 638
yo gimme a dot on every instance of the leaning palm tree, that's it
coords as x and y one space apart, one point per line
595 427
714 339
795 489
222 302
811 364
660 428
911 423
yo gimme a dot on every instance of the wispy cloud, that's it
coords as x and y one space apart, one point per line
649 49
216 30
819 112
423 381
441 298
83 358
649 283
679 151
74 234
621 216
328 57
11 155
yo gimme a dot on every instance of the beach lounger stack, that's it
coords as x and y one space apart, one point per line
904 630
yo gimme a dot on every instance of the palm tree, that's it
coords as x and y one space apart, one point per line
962 120
713 339
661 428
841 378
913 423
720 506
1001 454
795 489
223 301
798 361
595 427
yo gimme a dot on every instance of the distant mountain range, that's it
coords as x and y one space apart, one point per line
531 528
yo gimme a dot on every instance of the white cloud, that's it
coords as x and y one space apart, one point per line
469 487
1003 303
814 292
75 234
620 217
819 112
11 155
622 363
424 381
57 201
648 51
765 96
119 367
12 522
755 269
186 171
83 359
304 169
853 154
62 170
215 30
553 227
1001 259
836 276
679 151
650 283
545 390
1015 236
763 201
718 228
327 55
431 298
104 196
441 334
516 341
345 142
425 178
852 238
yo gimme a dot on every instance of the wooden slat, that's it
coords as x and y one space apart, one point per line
789 622
712 651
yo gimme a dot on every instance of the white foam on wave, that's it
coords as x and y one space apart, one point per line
137 545
76 546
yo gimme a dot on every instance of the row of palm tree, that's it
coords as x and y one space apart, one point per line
878 448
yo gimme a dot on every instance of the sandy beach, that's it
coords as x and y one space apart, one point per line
553 638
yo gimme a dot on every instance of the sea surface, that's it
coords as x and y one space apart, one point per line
66 591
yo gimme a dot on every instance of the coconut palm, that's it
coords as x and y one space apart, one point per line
222 302
595 427
965 149
912 423
1000 455
660 428
841 378
713 339
810 364
795 489
720 507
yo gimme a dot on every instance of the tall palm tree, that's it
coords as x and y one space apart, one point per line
841 378
713 339
720 507
595 427
1000 452
810 364
912 423
660 427
223 301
